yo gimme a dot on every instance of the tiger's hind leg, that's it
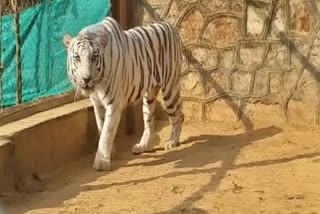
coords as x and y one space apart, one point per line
149 138
173 107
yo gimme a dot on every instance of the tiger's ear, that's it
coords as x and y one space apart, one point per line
67 40
104 39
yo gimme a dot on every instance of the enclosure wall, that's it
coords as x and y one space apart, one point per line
248 60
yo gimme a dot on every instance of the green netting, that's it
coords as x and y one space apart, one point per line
43 56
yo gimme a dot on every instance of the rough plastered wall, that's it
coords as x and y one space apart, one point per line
248 60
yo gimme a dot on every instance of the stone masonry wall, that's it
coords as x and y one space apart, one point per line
248 60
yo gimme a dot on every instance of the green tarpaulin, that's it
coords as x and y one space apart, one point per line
43 56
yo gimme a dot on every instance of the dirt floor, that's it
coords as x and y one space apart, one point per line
217 169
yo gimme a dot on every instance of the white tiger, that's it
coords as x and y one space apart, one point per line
116 68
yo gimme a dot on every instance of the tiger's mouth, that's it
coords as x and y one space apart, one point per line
86 91
89 86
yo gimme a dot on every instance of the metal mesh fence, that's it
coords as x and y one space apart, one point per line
43 56
7 8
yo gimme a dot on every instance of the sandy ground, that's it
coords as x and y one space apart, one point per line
217 169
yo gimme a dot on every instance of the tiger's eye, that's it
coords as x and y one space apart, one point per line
94 56
77 57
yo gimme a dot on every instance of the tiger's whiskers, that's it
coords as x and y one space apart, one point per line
106 79
76 94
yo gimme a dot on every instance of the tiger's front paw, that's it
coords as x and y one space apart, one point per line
102 164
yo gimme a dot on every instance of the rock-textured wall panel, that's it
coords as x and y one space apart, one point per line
246 60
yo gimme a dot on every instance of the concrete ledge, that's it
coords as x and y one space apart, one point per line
42 142
38 144
6 167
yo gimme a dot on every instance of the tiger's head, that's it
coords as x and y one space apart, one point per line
85 60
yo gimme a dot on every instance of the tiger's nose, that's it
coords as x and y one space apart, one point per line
86 80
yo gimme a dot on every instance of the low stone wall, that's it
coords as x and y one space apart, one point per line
248 60
42 142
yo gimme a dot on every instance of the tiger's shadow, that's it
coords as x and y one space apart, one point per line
195 153
206 149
